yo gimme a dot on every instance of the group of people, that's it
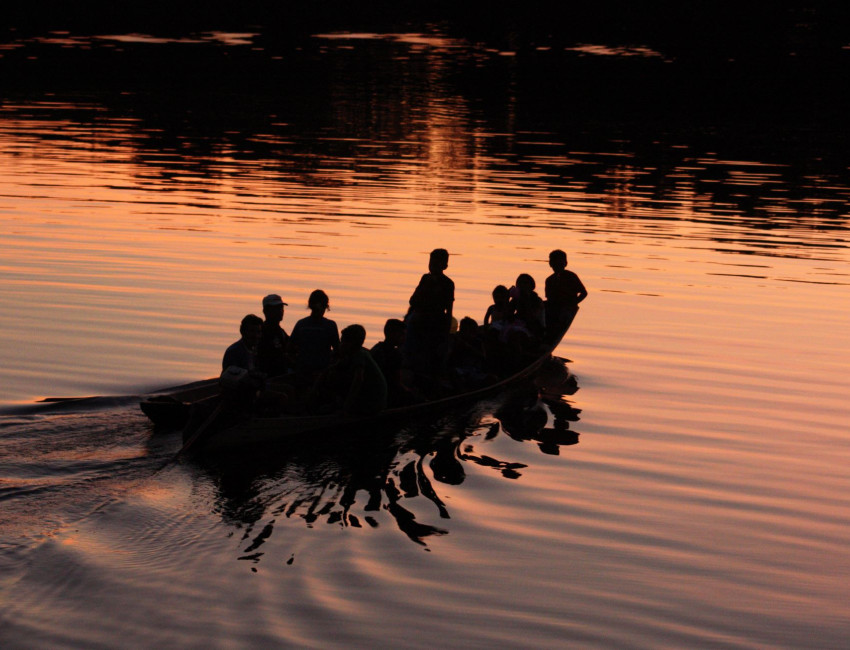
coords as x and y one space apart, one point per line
317 367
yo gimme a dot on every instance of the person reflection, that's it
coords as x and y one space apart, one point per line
391 471
526 418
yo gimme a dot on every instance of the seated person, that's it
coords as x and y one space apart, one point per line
356 379
243 353
467 347
240 378
467 359
499 313
527 307
314 339
564 291
387 354
271 351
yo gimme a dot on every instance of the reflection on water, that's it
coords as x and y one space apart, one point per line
346 478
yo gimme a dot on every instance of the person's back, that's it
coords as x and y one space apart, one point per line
564 291
433 296
467 351
387 354
314 338
358 378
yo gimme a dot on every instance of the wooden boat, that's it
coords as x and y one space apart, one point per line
213 428
170 408
223 432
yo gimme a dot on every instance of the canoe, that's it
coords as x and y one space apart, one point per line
220 431
170 408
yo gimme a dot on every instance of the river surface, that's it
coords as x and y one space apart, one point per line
693 489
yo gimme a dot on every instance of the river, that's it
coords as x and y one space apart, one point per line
154 185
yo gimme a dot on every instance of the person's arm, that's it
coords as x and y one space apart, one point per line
582 292
335 341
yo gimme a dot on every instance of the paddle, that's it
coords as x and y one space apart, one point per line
201 429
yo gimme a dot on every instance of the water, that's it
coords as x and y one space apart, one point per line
144 213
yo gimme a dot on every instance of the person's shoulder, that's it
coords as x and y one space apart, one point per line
360 357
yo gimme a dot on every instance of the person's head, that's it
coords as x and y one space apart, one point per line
468 326
501 295
351 338
439 260
394 331
318 302
525 283
251 329
273 308
558 260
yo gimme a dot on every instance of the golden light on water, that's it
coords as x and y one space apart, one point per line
697 492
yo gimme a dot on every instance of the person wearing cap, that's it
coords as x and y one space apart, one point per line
271 351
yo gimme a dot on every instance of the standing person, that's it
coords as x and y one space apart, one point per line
429 318
314 338
271 351
564 291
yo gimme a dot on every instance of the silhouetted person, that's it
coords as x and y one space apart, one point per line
429 318
240 380
467 358
243 353
387 354
314 338
271 352
356 377
499 313
527 307
564 291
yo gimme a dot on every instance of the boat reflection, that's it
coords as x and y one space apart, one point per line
325 480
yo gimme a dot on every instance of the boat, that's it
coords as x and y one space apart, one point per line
170 408
213 428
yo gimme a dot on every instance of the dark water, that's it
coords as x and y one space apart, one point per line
688 489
